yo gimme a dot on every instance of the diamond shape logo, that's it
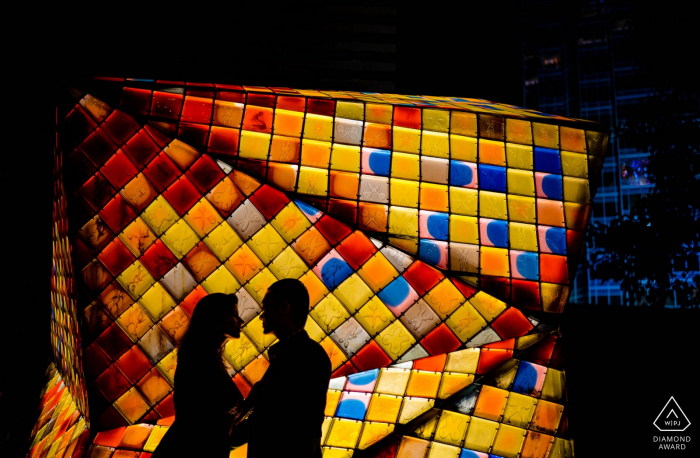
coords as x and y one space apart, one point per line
672 417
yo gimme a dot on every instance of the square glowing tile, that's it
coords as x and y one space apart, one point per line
509 440
157 302
345 158
491 403
452 383
406 140
136 280
374 432
395 340
350 337
329 313
374 316
546 417
465 322
246 220
451 427
419 319
464 201
423 384
180 239
521 209
159 215
178 282
311 246
481 434
492 205
202 218
221 281
137 236
403 193
223 241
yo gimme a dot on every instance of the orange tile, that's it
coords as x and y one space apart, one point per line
491 403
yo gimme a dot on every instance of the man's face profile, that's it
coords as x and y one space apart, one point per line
270 315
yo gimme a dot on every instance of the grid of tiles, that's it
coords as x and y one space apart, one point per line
169 225
516 410
60 429
364 408
65 336
501 196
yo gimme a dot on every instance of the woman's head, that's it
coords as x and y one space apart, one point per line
215 318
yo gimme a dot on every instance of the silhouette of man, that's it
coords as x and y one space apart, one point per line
289 401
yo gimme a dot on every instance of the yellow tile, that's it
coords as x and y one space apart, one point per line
317 290
576 190
492 205
345 157
444 298
561 448
435 144
384 408
553 297
395 340
463 123
521 209
519 410
353 293
463 361
138 237
180 239
523 236
221 281
574 164
182 154
451 427
288 265
413 407
392 381
405 166
254 145
464 229
223 241
335 354
290 222
518 131
464 201
373 433
157 302
132 406
314 330
154 438
244 264
453 382
423 384
239 352
313 181
573 139
463 148
509 441
406 140
254 331
257 286
136 280
465 322
554 386
267 243
350 110
329 313
481 434
519 156
403 193
436 120
488 306
521 182
135 322
332 399
374 316
546 135
438 450
318 127
427 429
403 221
159 215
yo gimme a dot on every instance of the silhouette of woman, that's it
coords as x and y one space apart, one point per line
206 399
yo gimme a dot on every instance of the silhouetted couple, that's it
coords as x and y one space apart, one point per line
283 413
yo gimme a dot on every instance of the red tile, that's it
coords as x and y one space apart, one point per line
440 340
157 135
119 170
95 360
511 323
371 357
541 352
112 383
197 109
344 210
432 363
161 172
79 124
205 174
117 214
158 259
166 407
553 269
321 107
134 364
257 119
135 100
242 384
111 418
190 302
467 290
508 344
344 370
116 257
200 261
497 287
166 104
332 229
97 191
141 148
422 277
407 117
490 359
182 195
574 242
261 100
291 103
356 249
269 201
193 134
526 294
223 140
98 147
120 126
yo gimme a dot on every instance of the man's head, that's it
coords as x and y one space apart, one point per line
285 307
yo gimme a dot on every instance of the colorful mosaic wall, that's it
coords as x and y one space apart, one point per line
468 185
153 249
65 336
61 429
421 226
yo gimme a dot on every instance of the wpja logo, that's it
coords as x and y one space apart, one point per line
672 419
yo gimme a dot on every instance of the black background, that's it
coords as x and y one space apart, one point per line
622 364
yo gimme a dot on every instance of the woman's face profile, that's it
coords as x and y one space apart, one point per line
232 324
